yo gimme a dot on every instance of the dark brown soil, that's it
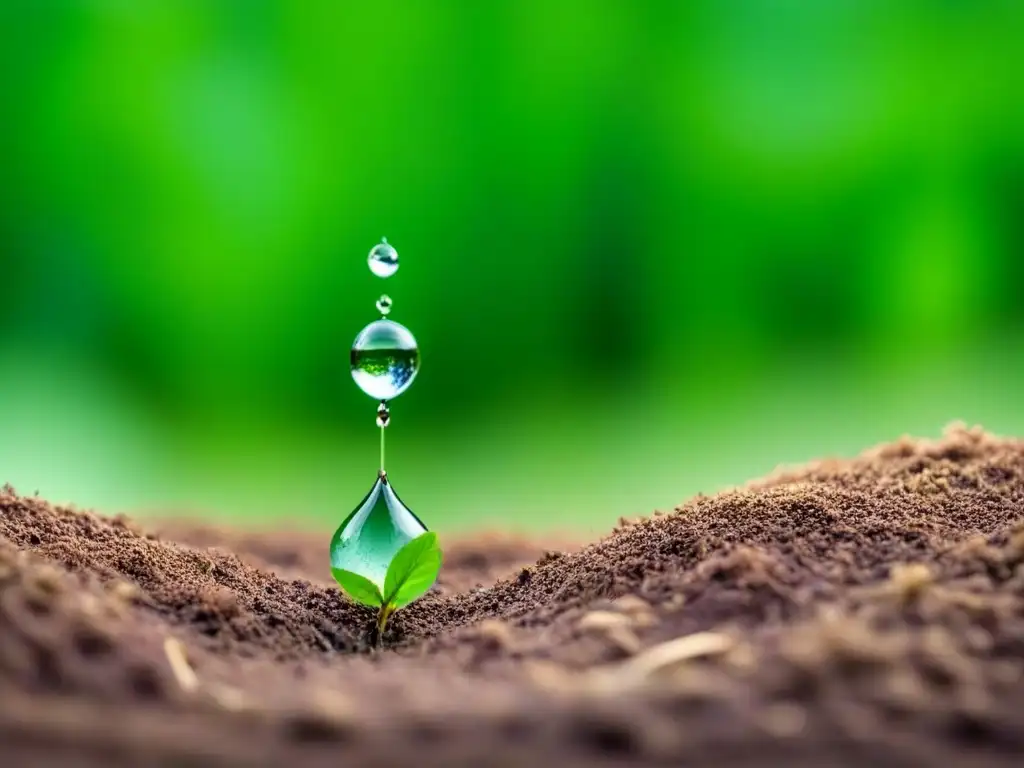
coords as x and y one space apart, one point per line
847 613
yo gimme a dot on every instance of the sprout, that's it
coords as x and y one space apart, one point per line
411 573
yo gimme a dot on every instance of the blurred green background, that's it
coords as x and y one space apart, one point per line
648 249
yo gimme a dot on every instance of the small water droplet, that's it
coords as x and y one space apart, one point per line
369 538
385 359
383 415
384 304
383 259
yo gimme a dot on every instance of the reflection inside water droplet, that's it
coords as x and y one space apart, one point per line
384 359
383 259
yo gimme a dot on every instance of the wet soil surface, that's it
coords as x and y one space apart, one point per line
836 614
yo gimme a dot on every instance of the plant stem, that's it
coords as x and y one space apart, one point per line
382 621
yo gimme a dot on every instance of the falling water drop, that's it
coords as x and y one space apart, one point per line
383 259
385 359
368 539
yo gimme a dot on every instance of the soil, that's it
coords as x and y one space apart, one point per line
836 614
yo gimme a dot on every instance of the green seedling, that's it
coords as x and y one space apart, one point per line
411 573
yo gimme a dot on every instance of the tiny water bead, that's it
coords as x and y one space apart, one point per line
368 539
383 259
384 304
383 415
385 359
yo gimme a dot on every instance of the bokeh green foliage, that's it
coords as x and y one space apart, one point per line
647 249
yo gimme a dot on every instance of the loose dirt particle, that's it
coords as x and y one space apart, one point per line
668 654
183 673
495 633
624 640
784 721
602 621
229 698
632 605
910 581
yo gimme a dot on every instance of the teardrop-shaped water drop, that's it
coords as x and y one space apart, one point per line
384 304
383 259
385 359
369 538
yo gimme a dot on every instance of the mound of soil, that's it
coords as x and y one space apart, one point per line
845 612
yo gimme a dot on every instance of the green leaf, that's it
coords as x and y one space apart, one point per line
413 571
359 588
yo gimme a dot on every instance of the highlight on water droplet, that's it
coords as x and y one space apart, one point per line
384 304
383 259
385 359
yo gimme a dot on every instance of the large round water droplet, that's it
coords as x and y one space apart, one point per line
369 538
385 359
383 259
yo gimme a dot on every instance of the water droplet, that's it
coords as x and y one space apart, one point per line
369 538
383 415
385 359
383 259
384 304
